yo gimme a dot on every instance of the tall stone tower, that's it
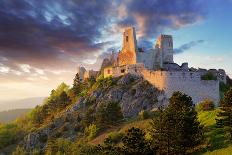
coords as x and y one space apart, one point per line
129 48
164 45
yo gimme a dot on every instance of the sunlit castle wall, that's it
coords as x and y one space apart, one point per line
189 83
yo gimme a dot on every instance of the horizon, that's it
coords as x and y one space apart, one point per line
42 43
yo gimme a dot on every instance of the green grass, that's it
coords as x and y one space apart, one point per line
215 139
142 124
215 142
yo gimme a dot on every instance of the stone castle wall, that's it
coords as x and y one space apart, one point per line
189 83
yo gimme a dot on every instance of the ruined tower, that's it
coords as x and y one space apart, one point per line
129 48
164 45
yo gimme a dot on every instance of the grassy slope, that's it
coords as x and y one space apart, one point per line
142 124
216 140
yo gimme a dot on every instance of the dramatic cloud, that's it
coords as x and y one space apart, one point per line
152 17
187 46
43 41
49 32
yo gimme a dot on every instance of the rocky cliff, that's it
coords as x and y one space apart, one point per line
132 93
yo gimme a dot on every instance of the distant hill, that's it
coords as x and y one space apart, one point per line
27 103
10 115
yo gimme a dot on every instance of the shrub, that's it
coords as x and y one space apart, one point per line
205 105
144 114
91 131
208 76
9 134
113 137
19 151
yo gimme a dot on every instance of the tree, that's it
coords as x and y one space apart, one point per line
77 85
225 116
63 100
161 132
177 128
108 114
205 105
134 142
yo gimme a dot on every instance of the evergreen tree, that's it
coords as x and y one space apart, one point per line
161 132
225 116
63 100
177 128
108 114
77 85
134 142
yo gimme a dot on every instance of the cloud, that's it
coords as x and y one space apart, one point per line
47 33
187 46
31 30
153 17
25 68
47 39
4 69
215 59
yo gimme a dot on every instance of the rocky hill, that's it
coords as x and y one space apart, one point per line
68 116
132 93
85 114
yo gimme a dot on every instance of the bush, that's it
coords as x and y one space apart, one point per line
19 151
208 76
9 134
205 105
144 114
113 137
91 131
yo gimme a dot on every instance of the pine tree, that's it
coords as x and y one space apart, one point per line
134 142
108 114
77 85
225 116
161 133
177 128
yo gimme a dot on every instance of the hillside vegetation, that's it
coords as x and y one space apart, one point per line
10 115
117 116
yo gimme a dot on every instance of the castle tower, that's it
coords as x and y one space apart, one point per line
129 47
164 45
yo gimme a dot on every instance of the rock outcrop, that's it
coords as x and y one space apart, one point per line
132 93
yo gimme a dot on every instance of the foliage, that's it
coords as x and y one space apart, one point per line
91 131
108 114
177 129
205 105
77 84
19 151
9 134
225 116
208 76
113 138
134 142
224 87
144 114
89 117
56 102
214 137
104 82
60 146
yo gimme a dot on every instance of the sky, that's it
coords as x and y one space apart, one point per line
43 42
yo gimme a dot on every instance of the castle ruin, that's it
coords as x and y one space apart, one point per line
157 66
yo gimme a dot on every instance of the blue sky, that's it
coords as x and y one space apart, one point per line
43 42
215 30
